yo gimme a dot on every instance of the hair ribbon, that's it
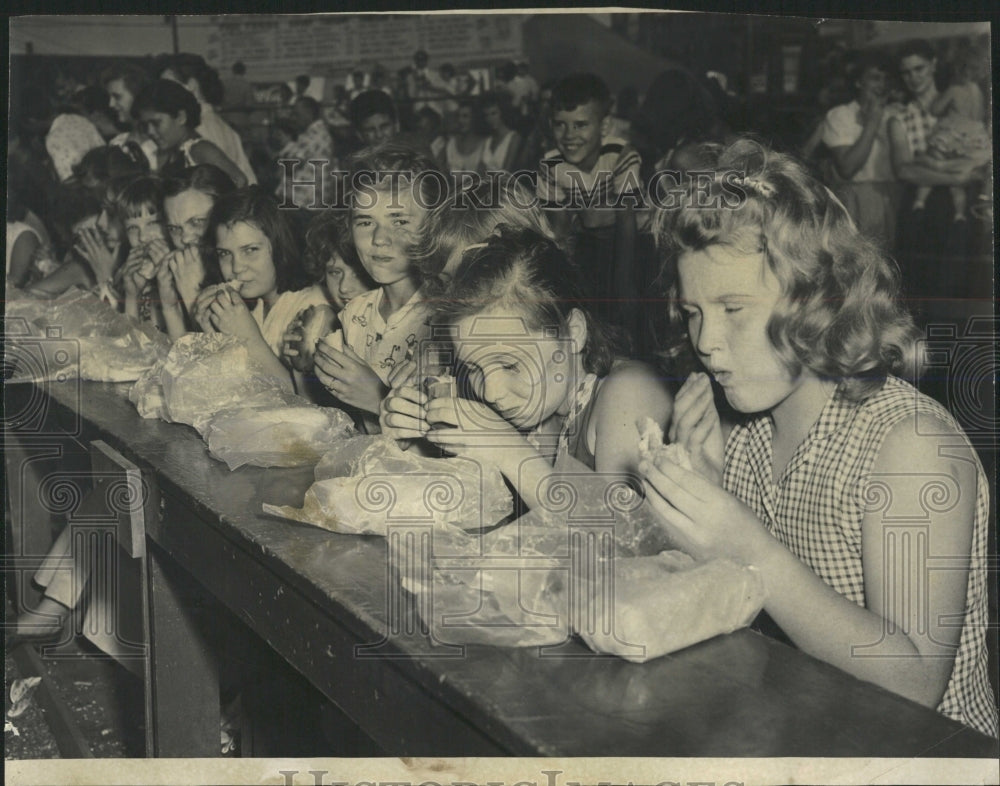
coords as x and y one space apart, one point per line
755 183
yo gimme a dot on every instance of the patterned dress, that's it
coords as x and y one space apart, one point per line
382 343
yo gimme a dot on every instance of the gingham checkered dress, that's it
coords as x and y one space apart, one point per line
817 506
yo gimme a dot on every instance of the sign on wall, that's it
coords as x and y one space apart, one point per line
280 47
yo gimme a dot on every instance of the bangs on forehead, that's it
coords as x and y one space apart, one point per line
693 228
230 226
399 188
135 209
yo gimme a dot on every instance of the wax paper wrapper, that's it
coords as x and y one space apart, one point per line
529 583
505 588
389 485
206 373
76 335
660 604
295 433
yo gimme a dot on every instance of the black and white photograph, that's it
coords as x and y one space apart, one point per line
542 397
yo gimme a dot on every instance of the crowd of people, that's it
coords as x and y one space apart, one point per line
784 303
910 157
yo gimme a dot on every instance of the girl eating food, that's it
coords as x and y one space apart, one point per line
539 366
843 484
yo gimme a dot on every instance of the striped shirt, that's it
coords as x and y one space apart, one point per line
561 184
817 506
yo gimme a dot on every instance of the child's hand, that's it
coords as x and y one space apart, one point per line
402 374
169 298
703 519
403 414
695 425
200 310
348 377
137 271
101 259
229 315
291 340
158 251
873 107
189 273
469 428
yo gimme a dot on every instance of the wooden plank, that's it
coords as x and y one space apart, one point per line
183 671
132 498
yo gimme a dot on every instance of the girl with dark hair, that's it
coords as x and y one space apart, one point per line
203 81
170 113
187 203
102 164
258 261
541 370
795 314
332 263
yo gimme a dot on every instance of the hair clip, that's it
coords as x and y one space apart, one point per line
757 184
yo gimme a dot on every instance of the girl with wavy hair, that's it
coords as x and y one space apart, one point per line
843 484
546 391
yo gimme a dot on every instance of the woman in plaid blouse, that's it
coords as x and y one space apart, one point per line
859 499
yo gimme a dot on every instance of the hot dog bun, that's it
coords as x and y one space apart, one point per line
317 322
652 449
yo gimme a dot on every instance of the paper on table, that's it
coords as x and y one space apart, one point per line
286 435
390 486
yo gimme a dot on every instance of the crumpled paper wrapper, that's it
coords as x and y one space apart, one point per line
389 486
664 603
76 335
287 435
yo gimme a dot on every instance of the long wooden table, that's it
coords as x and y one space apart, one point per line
328 604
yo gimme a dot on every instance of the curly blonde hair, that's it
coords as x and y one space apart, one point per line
840 314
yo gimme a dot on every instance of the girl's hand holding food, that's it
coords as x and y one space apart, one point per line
695 425
347 376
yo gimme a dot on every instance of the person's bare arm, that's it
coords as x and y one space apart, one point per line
850 158
21 256
204 152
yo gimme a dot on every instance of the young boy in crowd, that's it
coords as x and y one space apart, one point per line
584 184
375 120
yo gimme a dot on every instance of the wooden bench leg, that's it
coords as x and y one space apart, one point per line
184 677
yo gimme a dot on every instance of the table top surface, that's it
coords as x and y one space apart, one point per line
741 694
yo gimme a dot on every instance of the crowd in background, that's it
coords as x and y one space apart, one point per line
902 138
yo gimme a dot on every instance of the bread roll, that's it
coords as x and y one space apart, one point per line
335 340
317 322
652 449
208 295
